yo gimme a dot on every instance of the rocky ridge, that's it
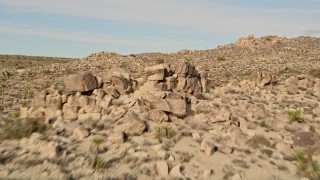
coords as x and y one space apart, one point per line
174 121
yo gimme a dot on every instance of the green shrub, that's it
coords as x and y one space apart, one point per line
188 59
295 116
315 166
25 104
16 114
17 129
310 92
164 131
159 61
306 166
221 58
300 155
96 144
99 163
124 64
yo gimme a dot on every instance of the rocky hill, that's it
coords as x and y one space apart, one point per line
248 110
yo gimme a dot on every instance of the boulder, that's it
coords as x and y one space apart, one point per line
207 147
116 138
178 107
70 112
162 168
121 84
23 113
176 172
158 116
80 132
80 82
89 117
133 124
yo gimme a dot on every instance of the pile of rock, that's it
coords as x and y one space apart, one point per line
85 97
185 78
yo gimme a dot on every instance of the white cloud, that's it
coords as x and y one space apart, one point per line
312 32
93 38
203 16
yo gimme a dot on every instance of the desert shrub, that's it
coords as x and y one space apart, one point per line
25 104
97 144
159 61
306 166
124 64
310 92
99 162
295 116
164 131
17 129
221 58
16 114
188 59
269 39
315 73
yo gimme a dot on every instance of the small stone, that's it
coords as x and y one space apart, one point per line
207 147
133 124
116 138
162 154
225 149
23 113
80 132
158 116
236 177
171 158
176 171
207 173
162 168
89 117
277 156
196 137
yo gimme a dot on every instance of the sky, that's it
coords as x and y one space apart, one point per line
77 28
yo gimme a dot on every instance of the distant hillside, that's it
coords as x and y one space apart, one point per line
22 61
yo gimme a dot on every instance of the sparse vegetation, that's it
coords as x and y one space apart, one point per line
22 62
164 131
188 59
221 58
310 92
306 166
99 162
16 114
97 144
124 64
159 61
17 129
295 116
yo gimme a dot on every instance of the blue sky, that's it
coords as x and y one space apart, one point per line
77 28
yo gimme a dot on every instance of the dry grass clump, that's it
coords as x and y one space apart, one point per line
17 129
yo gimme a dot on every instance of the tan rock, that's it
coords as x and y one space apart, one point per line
80 132
178 107
70 112
116 138
81 82
111 90
121 84
176 171
89 117
23 113
158 116
207 147
133 124
162 168
117 113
